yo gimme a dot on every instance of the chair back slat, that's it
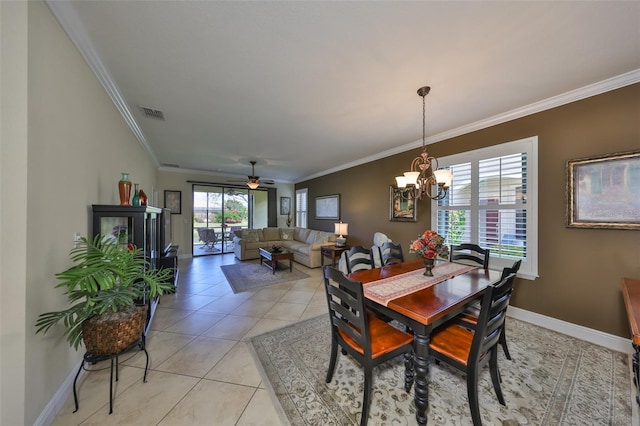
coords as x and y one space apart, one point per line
470 253
491 319
358 258
391 253
347 307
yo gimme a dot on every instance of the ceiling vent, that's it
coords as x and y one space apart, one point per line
152 112
170 165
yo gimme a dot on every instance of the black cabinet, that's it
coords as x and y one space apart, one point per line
140 226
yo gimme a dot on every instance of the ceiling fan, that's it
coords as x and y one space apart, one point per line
253 181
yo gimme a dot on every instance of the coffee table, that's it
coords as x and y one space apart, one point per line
271 257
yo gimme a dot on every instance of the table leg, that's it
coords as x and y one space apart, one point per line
421 365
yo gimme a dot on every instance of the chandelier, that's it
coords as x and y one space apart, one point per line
424 174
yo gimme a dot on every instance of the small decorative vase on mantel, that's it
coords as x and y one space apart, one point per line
428 266
136 196
124 190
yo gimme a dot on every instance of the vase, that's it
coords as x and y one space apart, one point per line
143 198
428 266
124 189
136 196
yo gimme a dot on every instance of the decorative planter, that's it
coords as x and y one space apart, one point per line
112 332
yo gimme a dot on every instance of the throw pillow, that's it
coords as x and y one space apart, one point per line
286 234
271 234
251 235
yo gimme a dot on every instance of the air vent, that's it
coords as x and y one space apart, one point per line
171 165
152 112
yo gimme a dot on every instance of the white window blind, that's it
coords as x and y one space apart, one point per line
301 208
492 202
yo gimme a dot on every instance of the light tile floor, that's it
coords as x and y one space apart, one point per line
201 370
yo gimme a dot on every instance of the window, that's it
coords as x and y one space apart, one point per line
493 202
301 207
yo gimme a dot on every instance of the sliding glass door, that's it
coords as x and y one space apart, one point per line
218 211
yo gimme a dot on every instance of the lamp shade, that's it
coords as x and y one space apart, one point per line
341 229
443 177
401 181
411 178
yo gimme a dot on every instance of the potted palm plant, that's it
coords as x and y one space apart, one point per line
106 287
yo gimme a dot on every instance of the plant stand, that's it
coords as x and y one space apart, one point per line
92 359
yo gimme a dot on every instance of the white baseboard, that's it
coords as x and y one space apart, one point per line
48 415
610 341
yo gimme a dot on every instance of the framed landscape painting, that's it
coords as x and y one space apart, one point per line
604 191
402 205
328 207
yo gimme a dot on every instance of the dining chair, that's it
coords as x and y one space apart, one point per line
469 318
470 350
470 254
390 253
358 258
366 338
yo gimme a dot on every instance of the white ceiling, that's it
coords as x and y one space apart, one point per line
308 87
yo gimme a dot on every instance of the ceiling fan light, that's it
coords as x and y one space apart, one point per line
253 184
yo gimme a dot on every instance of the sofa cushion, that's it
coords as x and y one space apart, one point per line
271 234
252 235
321 237
301 234
311 238
299 247
286 234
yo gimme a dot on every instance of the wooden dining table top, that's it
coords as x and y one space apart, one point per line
428 305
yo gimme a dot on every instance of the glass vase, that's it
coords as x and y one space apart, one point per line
124 190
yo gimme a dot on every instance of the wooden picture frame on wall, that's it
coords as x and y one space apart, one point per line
604 191
173 201
402 205
328 207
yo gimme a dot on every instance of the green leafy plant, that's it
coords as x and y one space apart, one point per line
106 277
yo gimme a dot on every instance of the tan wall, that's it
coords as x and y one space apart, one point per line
580 269
76 145
182 224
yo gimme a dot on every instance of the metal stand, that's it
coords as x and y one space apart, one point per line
92 359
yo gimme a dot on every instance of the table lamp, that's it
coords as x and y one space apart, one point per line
341 230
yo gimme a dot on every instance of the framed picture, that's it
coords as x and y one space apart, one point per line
328 207
604 191
173 201
402 205
285 206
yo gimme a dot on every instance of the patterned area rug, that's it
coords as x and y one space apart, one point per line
247 276
553 379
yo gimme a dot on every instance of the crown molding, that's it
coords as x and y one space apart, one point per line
594 89
72 25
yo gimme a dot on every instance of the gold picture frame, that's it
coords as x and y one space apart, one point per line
402 205
604 191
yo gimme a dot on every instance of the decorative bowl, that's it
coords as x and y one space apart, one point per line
276 248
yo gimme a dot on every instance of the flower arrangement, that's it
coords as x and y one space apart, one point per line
430 245
120 232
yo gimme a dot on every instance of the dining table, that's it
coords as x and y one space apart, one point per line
401 292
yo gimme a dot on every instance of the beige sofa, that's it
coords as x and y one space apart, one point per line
304 243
